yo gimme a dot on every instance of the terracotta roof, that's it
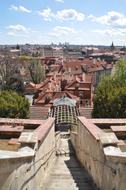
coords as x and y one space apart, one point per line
53 96
88 79
42 97
72 88
30 86
100 68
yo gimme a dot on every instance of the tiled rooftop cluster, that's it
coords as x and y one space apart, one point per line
73 78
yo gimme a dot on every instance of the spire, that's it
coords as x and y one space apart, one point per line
112 46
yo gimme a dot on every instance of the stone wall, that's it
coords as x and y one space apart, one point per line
107 174
28 172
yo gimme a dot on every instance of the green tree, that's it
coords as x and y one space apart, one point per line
12 105
15 83
120 74
110 98
37 71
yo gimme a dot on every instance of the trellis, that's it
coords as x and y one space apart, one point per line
64 114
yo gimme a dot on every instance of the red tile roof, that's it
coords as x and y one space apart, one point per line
54 95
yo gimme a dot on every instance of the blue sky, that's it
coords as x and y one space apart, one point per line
97 22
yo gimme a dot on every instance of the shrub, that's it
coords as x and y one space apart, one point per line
13 106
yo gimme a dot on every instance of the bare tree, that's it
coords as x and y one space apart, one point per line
9 73
6 69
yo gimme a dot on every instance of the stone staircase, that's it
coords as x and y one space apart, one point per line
86 112
67 173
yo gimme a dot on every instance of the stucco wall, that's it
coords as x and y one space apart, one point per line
106 174
28 173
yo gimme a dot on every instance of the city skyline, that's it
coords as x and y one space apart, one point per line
73 21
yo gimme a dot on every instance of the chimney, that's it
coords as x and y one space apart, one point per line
94 61
83 77
49 85
69 69
75 77
54 76
62 62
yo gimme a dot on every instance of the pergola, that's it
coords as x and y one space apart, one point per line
65 112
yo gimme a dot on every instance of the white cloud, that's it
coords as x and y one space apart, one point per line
18 30
61 1
13 7
23 9
47 14
19 9
63 15
62 30
11 33
111 32
115 22
112 18
70 14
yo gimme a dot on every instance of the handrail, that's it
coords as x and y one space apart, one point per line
52 150
33 175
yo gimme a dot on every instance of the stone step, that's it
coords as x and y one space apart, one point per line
78 175
67 173
67 187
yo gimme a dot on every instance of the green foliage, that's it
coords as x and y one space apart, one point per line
12 105
37 71
25 58
120 75
110 98
16 84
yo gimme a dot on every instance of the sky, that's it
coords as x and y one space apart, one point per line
96 22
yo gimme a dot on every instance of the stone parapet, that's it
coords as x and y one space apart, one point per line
102 154
27 167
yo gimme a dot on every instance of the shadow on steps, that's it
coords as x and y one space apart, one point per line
80 175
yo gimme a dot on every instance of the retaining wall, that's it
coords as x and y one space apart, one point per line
108 172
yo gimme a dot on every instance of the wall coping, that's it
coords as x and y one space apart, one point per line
43 130
91 127
114 154
108 121
38 135
21 121
20 154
